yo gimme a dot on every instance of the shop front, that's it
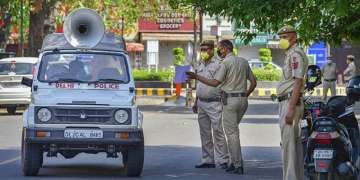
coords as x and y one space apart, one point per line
168 30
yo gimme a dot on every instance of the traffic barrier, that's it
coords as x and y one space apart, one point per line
258 92
153 92
266 92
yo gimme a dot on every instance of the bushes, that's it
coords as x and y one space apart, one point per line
267 75
167 75
145 75
265 57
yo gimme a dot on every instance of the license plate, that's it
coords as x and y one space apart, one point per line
83 133
303 123
323 154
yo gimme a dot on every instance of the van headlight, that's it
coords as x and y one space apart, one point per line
121 116
44 114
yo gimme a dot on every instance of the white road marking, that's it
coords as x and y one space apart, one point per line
261 116
10 160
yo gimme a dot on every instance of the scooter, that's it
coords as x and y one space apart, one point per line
333 145
312 110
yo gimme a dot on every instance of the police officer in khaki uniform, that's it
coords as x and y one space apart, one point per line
232 79
329 72
291 106
350 71
209 107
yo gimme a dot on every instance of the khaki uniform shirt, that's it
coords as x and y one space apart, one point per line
295 66
329 71
349 71
233 74
208 70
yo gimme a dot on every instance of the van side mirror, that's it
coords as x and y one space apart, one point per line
27 81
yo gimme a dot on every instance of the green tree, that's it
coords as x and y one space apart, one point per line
37 12
10 12
331 20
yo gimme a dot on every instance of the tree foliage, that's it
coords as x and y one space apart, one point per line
330 20
37 12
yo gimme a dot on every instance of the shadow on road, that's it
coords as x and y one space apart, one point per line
253 109
6 114
161 162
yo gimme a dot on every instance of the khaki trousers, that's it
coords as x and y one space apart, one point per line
212 133
232 115
329 85
292 152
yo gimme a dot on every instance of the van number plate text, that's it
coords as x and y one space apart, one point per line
83 133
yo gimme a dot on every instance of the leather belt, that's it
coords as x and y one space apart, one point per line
215 99
285 97
236 94
329 80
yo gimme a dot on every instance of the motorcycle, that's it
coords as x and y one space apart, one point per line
312 110
332 147
330 135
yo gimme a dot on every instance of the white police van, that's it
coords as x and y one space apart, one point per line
83 98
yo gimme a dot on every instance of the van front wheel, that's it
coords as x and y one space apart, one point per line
31 158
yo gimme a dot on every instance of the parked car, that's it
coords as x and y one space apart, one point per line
256 63
12 93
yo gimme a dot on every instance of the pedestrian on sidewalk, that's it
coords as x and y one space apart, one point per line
209 108
350 70
232 79
329 71
290 91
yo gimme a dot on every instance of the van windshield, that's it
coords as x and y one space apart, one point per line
83 68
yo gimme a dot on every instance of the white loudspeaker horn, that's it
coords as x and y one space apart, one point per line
84 28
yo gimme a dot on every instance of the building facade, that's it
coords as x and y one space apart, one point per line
170 29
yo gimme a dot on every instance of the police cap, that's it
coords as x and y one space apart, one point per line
351 57
286 29
209 43
227 44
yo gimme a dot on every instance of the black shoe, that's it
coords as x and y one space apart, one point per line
223 166
205 165
230 168
239 170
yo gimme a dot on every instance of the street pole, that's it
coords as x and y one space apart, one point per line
122 26
218 29
22 28
195 39
201 25
189 97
